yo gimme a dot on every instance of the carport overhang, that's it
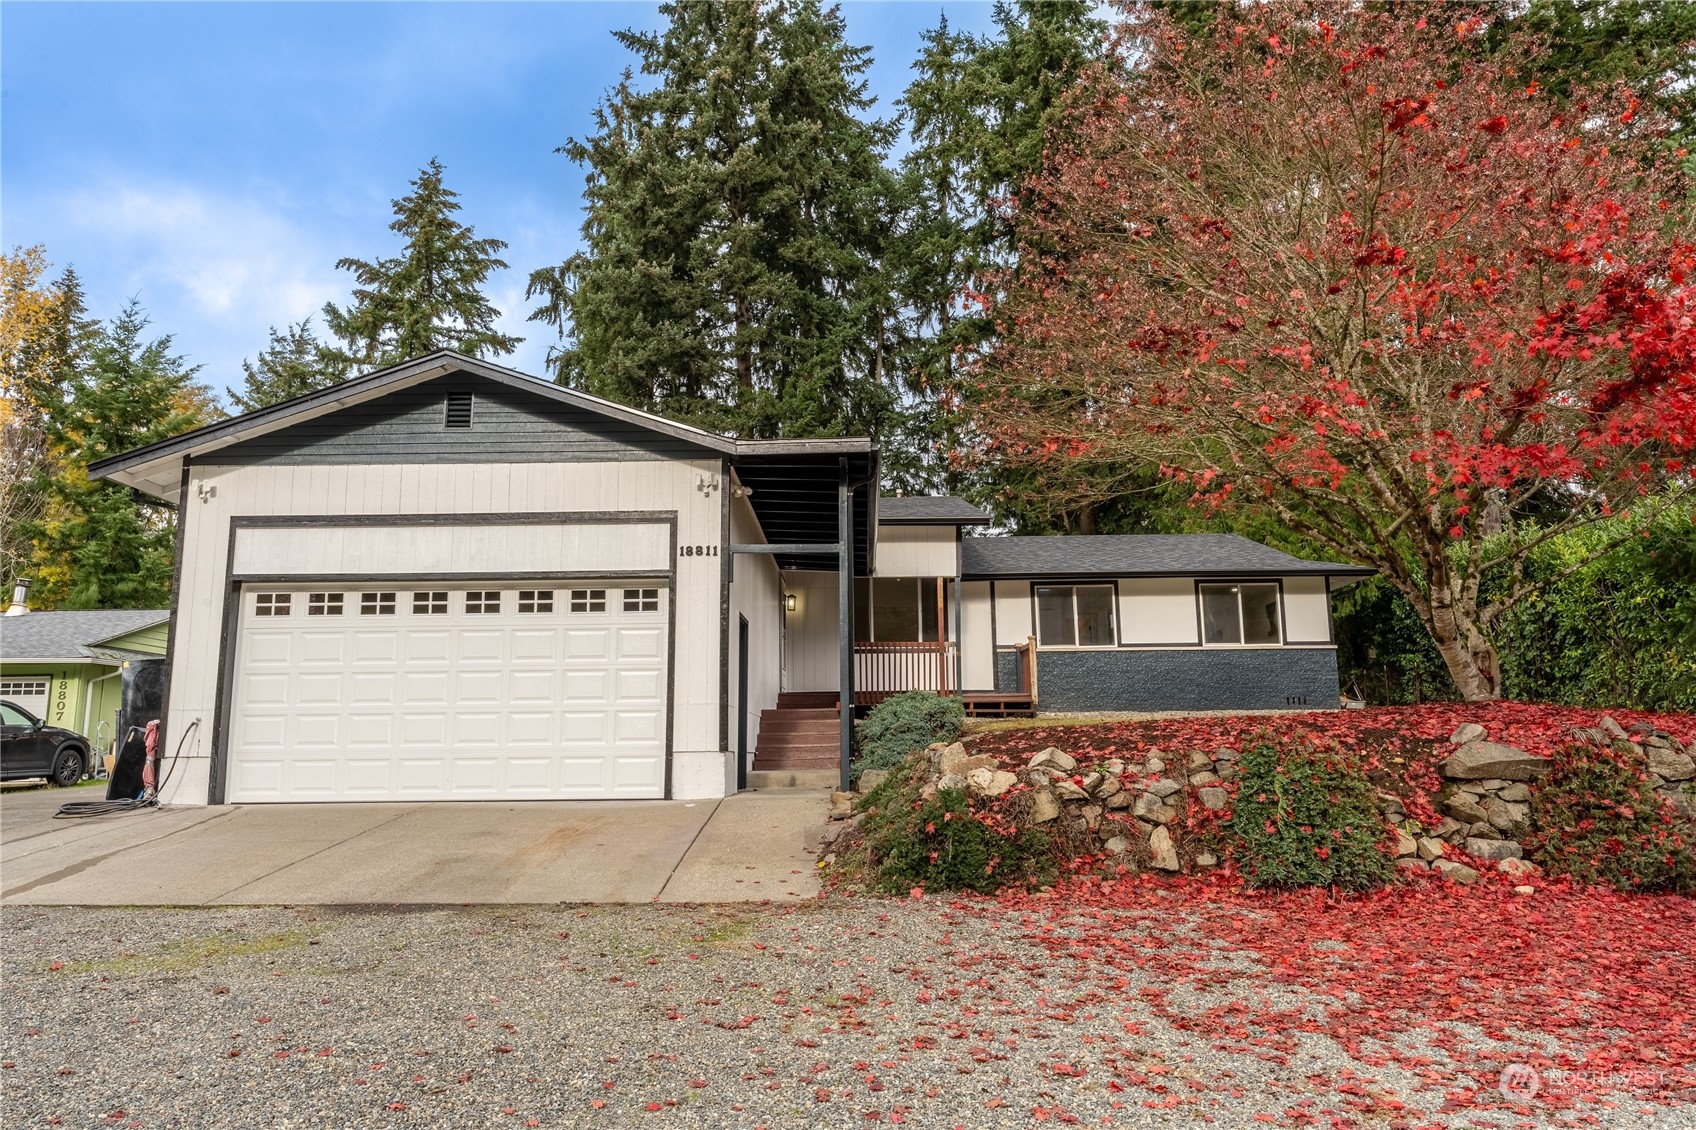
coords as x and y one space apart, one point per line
816 501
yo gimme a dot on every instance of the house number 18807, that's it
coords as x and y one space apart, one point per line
697 551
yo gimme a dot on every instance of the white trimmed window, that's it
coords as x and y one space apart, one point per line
377 604
1075 616
641 600
272 603
535 600
588 600
483 602
430 603
323 604
1242 614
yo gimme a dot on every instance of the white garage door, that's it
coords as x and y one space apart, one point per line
495 690
31 694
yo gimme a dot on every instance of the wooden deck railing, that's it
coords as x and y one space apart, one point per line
890 667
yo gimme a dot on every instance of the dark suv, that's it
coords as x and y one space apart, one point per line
30 748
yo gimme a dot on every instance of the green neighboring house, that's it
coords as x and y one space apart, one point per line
65 667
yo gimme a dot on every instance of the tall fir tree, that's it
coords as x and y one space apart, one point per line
977 112
97 545
738 210
430 296
293 364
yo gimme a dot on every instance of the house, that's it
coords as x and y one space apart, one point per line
69 668
449 580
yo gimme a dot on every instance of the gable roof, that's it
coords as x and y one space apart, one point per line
157 468
1137 555
74 635
928 510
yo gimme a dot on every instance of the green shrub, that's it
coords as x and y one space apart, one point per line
938 844
1306 816
1597 823
903 724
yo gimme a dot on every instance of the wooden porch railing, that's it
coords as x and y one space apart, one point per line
890 667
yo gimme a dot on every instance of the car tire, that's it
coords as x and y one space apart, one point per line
68 768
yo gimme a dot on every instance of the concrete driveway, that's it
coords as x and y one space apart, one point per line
747 847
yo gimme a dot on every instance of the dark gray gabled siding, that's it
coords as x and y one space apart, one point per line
1187 679
508 425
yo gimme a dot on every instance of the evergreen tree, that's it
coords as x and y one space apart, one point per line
977 115
294 364
738 210
98 545
427 298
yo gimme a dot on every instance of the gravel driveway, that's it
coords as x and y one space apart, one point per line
832 1013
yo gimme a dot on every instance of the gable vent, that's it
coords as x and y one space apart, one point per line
459 410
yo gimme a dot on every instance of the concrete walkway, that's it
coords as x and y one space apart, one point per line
747 847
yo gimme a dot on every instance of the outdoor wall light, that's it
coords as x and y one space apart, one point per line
789 602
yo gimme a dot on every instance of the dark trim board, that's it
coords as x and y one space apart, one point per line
218 775
448 578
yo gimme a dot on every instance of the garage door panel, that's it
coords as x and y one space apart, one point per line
584 728
465 692
368 779
479 688
376 646
318 689
487 645
322 648
530 687
639 643
424 688
531 729
317 731
269 648
312 780
372 688
260 691
533 645
424 646
588 643
371 731
530 776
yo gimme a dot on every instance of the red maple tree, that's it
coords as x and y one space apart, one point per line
1347 265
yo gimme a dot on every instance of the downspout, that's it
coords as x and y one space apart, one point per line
88 701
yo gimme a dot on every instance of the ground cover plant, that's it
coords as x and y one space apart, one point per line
902 724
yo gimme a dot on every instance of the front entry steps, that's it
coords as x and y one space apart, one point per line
766 779
800 743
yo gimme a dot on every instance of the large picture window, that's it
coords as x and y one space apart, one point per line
897 610
1241 614
1074 616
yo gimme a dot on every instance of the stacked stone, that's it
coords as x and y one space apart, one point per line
1669 764
1122 809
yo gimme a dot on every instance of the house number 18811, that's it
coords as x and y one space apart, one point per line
697 551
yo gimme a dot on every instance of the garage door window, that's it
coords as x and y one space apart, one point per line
483 602
24 688
272 604
429 604
323 604
588 600
535 600
376 604
641 600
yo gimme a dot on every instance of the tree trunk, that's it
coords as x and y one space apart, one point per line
1471 658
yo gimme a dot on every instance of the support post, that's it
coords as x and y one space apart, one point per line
845 613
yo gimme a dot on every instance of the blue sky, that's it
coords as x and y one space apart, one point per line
216 159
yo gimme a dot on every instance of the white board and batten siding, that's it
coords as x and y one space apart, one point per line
216 494
918 551
756 591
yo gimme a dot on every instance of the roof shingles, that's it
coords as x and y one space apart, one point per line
71 634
